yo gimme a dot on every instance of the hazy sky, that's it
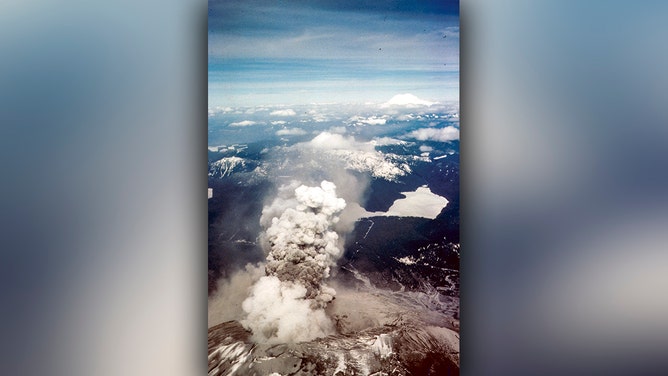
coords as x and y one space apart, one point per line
292 52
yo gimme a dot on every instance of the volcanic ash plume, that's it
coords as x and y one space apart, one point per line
287 305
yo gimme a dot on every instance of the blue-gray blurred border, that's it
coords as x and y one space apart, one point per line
564 181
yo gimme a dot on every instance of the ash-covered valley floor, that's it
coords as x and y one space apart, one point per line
395 273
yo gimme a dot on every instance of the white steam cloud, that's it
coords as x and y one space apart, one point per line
287 305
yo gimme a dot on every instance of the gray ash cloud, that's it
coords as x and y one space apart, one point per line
287 305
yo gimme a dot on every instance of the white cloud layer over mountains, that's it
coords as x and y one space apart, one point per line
359 156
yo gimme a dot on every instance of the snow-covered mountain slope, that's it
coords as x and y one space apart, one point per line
226 166
372 162
379 165
392 349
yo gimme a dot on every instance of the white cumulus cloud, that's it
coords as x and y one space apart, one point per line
337 129
326 140
435 134
213 111
290 132
244 123
287 112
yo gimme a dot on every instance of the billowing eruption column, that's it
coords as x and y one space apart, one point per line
287 305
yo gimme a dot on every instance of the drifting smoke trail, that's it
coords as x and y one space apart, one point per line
287 305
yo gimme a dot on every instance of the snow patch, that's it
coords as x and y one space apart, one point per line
372 120
406 260
382 346
421 203
384 141
341 364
